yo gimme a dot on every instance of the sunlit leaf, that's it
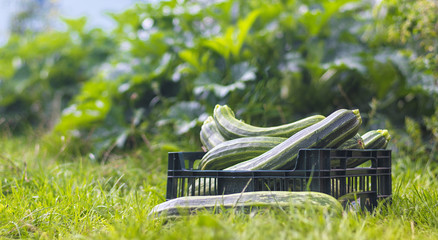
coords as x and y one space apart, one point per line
191 57
220 45
244 26
90 107
77 24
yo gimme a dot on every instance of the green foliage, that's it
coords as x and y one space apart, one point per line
418 143
411 24
41 73
166 65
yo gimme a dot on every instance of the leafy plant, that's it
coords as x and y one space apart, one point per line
167 64
412 25
40 73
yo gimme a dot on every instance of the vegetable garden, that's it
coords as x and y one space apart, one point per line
88 116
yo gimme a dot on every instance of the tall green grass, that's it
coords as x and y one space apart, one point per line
45 195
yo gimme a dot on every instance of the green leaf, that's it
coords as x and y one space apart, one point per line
231 42
211 81
220 45
243 72
6 68
184 116
350 63
191 56
90 107
162 65
311 20
77 24
243 26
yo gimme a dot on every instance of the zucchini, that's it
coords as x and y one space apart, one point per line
232 128
247 201
355 142
376 139
330 132
234 151
210 135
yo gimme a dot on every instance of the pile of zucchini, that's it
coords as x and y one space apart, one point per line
232 144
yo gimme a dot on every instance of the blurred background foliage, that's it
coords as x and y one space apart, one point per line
157 75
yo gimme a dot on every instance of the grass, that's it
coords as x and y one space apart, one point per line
56 196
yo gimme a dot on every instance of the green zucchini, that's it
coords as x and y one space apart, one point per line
376 139
330 132
210 135
234 151
355 142
232 128
247 201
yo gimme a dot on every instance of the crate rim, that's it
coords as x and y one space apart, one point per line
290 170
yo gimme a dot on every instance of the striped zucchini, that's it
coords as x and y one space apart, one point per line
247 201
234 151
232 128
355 142
210 135
376 139
330 132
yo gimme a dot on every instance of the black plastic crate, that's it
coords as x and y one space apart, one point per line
320 170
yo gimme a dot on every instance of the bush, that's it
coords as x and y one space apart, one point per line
168 64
